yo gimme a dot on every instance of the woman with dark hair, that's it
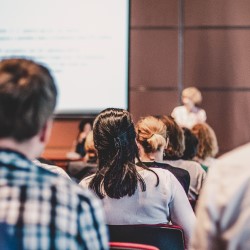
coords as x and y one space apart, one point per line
133 194
191 144
174 153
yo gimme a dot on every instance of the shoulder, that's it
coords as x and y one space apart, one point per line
59 185
237 155
174 170
192 164
202 114
165 176
235 162
53 168
178 109
85 182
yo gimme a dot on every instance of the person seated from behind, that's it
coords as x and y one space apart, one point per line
133 194
85 127
151 137
191 144
81 169
78 150
207 145
39 209
189 113
174 153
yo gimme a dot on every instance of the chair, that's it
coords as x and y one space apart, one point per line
165 237
130 246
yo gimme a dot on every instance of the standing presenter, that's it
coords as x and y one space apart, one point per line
190 113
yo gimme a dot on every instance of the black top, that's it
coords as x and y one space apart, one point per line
181 175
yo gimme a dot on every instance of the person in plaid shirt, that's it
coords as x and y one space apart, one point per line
38 209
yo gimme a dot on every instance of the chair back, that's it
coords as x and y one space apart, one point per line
165 237
130 246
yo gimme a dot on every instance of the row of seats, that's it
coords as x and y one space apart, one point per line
161 236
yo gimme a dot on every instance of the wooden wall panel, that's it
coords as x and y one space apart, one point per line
217 12
154 12
153 60
63 134
152 103
228 113
217 58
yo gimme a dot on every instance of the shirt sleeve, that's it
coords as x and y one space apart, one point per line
202 117
92 225
205 231
181 211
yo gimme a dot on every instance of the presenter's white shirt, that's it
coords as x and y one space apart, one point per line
185 118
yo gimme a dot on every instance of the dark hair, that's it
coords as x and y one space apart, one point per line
27 98
114 138
176 145
191 143
83 122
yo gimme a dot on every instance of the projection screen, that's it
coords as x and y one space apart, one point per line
85 43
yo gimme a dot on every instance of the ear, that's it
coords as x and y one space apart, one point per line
45 132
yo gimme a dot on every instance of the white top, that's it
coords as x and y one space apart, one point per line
53 168
223 210
185 118
197 175
160 204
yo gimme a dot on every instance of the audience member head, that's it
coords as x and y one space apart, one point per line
191 94
207 141
191 143
89 146
151 138
27 99
176 145
114 138
85 125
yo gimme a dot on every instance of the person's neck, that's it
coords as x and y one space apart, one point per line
152 157
26 148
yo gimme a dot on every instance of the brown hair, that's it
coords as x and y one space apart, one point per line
176 145
114 138
207 141
151 133
27 98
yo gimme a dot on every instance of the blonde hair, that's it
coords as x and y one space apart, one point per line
193 94
89 145
151 133
207 141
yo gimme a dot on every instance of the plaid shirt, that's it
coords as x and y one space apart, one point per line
41 210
